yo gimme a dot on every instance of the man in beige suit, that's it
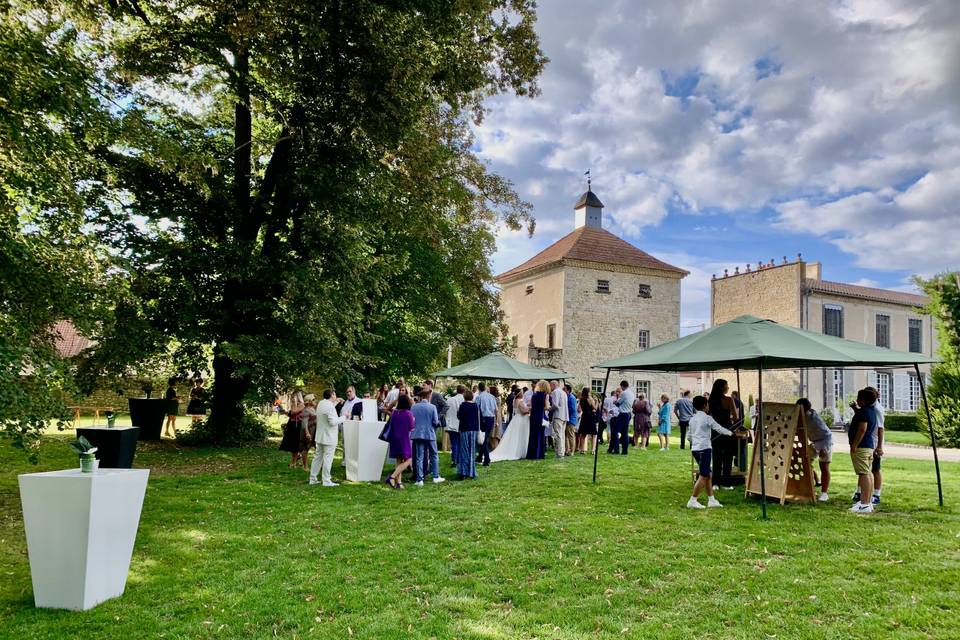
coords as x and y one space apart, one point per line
327 432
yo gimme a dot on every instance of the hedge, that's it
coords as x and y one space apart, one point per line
904 422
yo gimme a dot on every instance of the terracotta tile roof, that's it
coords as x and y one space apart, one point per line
866 293
68 341
593 245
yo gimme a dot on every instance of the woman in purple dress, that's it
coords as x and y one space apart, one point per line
401 448
539 407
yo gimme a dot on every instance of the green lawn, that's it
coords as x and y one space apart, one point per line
233 544
907 437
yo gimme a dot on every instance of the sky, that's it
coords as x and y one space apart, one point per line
725 133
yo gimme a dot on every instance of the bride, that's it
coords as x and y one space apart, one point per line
513 446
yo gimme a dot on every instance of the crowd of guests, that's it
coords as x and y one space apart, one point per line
471 422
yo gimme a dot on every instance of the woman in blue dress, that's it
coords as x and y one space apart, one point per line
539 409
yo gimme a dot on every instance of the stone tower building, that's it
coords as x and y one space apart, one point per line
591 297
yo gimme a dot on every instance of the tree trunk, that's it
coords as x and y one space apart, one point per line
229 390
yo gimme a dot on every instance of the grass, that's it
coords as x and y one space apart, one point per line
907 437
233 544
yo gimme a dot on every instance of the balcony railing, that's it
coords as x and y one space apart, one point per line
544 357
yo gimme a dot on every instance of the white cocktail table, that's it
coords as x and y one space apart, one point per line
80 532
364 453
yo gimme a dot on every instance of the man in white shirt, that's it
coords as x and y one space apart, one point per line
620 432
327 422
453 424
559 418
393 395
346 411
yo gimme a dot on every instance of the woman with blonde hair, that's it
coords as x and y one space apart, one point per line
539 410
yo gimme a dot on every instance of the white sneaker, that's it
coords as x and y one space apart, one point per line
662 449
330 484
419 483
716 488
861 508
728 488
439 480
823 498
713 502
314 481
693 503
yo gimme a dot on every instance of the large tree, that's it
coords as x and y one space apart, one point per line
295 186
52 116
944 390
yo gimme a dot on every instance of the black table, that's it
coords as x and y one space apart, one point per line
148 414
115 446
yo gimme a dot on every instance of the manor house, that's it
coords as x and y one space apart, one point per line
590 297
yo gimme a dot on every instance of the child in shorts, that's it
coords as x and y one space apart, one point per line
698 433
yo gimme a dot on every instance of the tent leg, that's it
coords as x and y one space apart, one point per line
741 448
596 446
761 436
933 438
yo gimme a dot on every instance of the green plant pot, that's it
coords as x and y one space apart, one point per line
111 422
88 462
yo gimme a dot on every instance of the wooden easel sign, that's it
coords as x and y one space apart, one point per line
787 470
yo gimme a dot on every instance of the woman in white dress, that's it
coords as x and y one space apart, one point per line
516 437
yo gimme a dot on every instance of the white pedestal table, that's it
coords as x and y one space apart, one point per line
363 452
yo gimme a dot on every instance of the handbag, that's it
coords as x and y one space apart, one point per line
387 428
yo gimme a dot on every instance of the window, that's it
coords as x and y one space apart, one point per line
915 327
883 388
529 289
833 320
883 331
838 387
643 386
643 339
644 291
551 336
603 286
596 385
913 401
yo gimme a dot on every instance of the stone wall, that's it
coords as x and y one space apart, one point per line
772 293
527 314
602 326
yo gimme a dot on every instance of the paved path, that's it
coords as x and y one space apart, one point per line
891 450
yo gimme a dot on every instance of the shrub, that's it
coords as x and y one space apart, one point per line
249 429
827 415
903 422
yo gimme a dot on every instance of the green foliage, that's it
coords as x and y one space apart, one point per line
905 421
943 392
306 198
247 429
81 446
51 267
826 414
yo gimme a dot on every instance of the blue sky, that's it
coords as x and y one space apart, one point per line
722 135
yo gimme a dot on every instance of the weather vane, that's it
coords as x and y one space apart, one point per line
587 173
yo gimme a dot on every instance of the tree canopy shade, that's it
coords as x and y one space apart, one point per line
748 342
497 366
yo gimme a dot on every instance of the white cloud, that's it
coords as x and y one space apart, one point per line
820 111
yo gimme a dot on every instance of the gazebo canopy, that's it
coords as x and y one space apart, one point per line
497 366
748 342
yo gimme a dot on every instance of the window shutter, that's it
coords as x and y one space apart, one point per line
901 392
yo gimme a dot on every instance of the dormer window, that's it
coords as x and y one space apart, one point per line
644 291
603 286
529 289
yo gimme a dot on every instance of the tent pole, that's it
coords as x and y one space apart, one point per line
741 451
762 436
596 446
933 438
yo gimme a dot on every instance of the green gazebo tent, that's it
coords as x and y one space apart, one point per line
497 366
748 342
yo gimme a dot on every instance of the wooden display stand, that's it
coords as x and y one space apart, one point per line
787 471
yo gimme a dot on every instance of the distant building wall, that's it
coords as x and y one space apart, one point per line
532 313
